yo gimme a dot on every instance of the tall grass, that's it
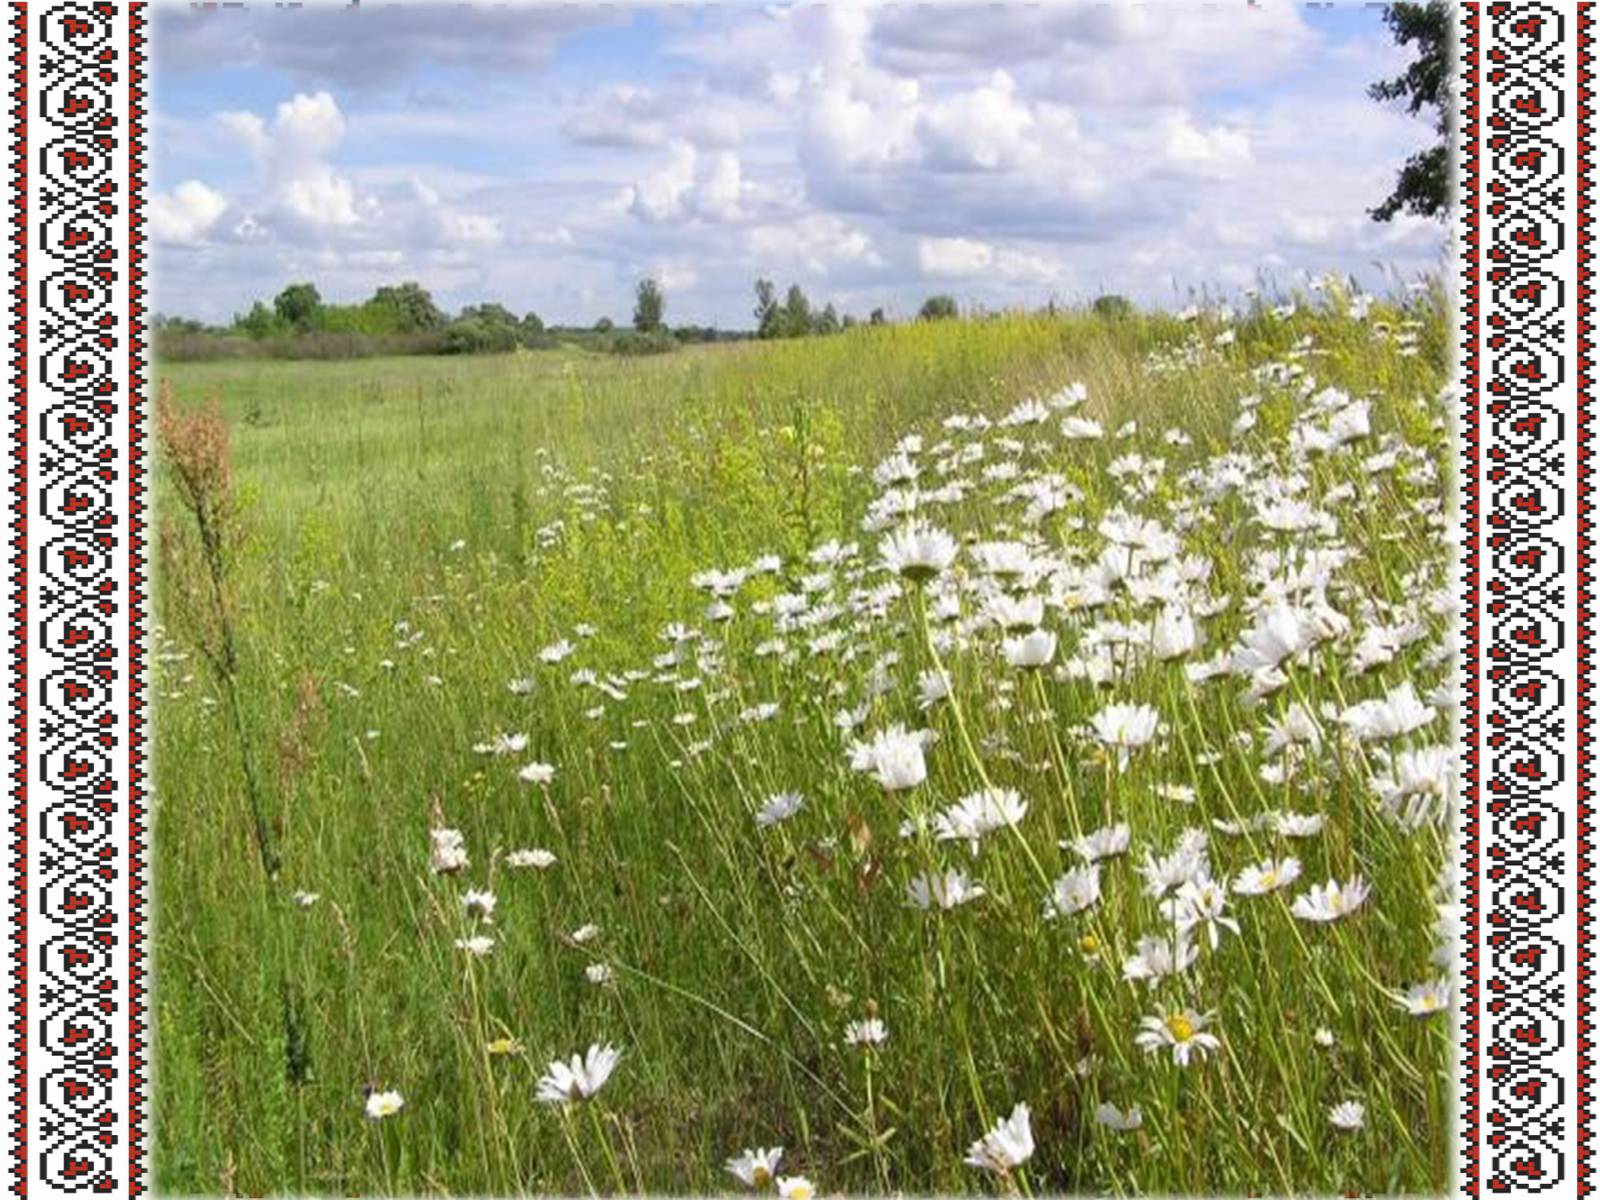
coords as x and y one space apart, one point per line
419 529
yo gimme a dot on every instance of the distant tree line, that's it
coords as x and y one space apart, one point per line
403 319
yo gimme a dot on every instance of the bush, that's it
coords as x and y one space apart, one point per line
937 308
1112 306
626 342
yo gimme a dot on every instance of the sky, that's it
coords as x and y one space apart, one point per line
548 157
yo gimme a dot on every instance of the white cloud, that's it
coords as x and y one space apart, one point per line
873 153
1213 149
301 189
186 215
988 128
961 258
817 245
689 186
625 115
955 257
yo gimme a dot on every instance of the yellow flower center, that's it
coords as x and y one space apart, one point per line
1179 1025
1269 880
1088 943
762 1176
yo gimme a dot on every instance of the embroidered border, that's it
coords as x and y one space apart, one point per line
1522 625
79 926
83 939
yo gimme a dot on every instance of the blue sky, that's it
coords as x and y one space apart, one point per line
548 157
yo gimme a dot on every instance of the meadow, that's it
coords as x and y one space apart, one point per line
1001 755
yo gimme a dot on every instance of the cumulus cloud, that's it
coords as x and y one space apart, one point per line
688 186
301 189
187 214
328 46
1006 153
953 258
817 245
1211 149
625 115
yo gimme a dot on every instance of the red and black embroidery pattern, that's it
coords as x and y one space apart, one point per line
79 924
1523 840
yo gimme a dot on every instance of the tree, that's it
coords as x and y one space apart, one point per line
937 308
796 313
1110 306
827 321
298 305
604 325
1423 186
769 320
877 317
532 326
410 305
260 322
491 313
648 305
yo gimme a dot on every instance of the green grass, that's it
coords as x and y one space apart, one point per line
492 505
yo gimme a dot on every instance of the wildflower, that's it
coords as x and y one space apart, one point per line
1398 713
1125 727
894 758
599 974
536 858
537 772
755 1169
1298 825
578 1078
1006 1146
795 1187
1105 842
1112 1117
1004 560
918 552
1031 651
779 808
1201 901
1266 877
504 743
1425 999
1349 1115
479 946
1323 1037
384 1104
1157 957
502 1047
1073 892
449 851
306 899
1330 901
1175 634
1180 1030
1080 429
585 933
556 651
1417 785
1279 633
478 904
870 1032
947 890
978 814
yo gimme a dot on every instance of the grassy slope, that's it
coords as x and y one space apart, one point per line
735 953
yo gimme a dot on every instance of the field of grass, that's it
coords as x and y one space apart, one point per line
443 573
